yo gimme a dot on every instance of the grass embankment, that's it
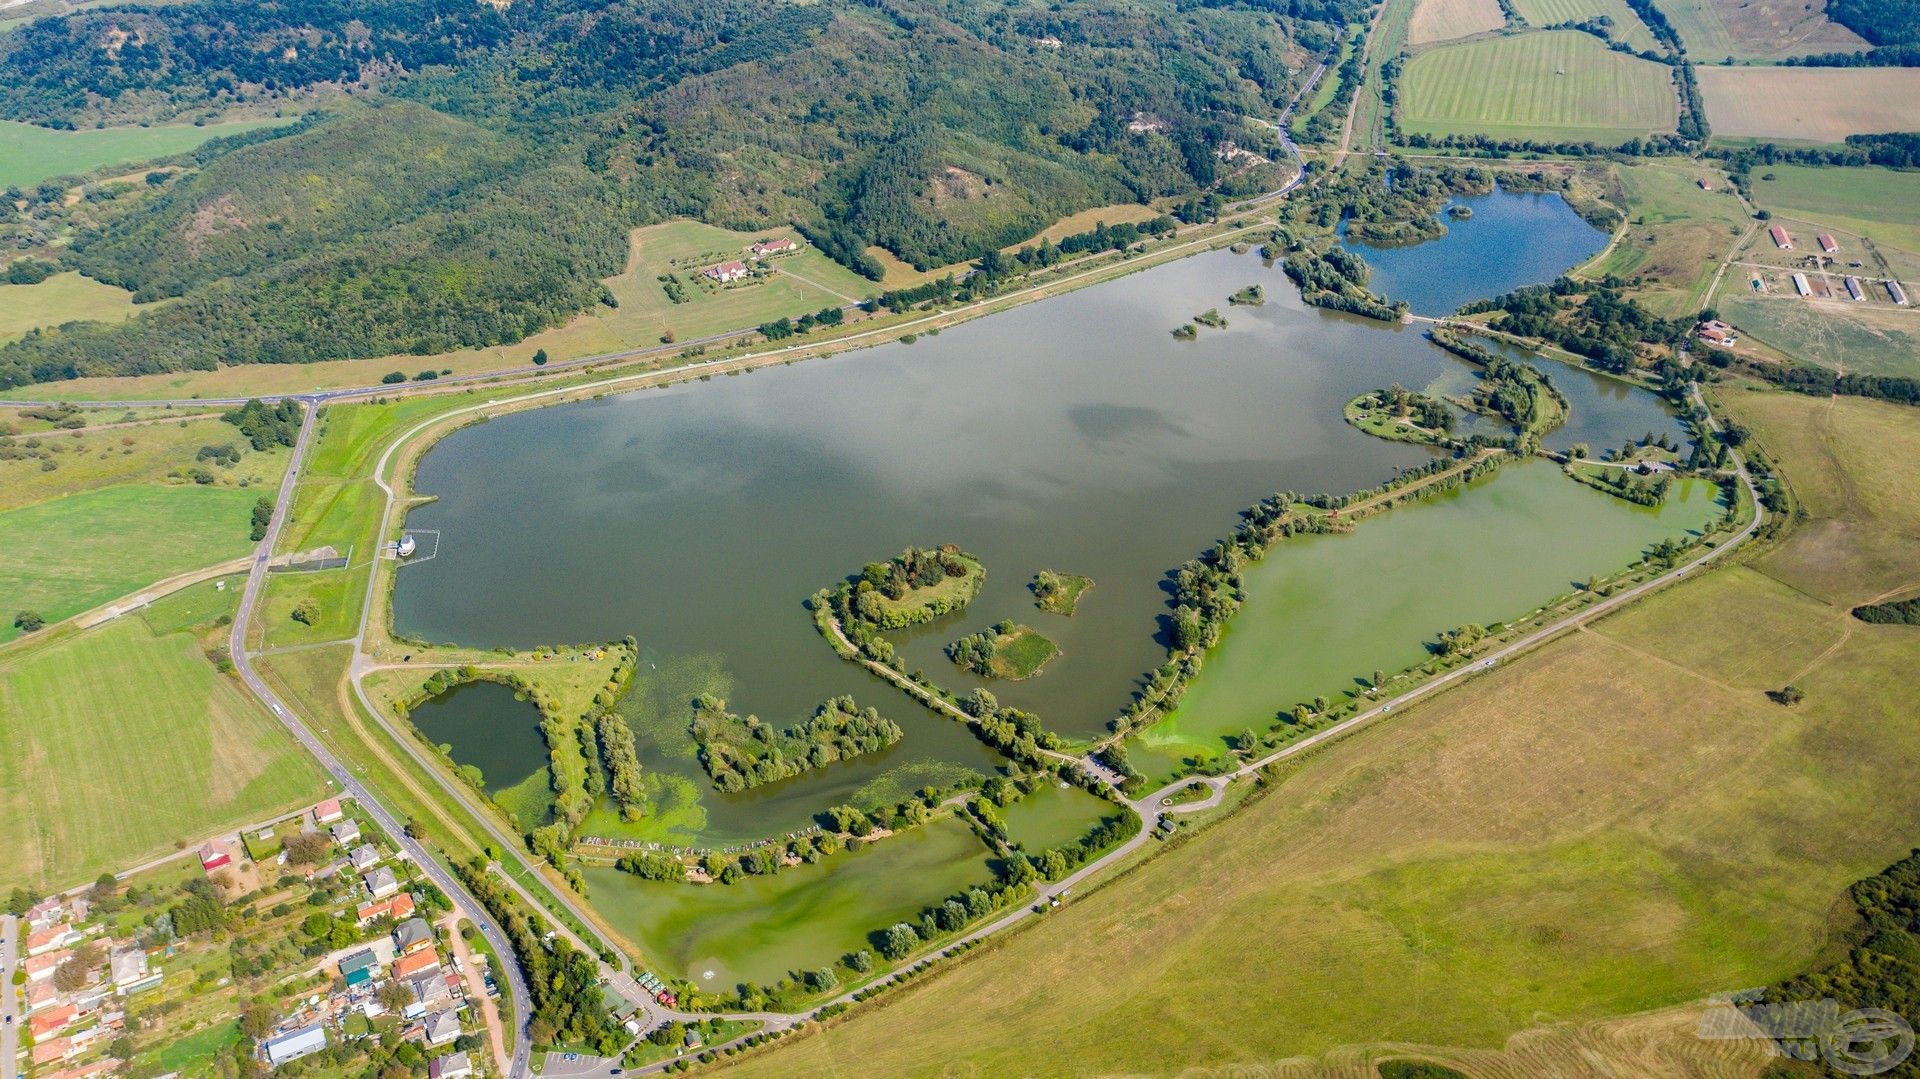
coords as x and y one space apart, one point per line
30 154
1549 86
1615 822
60 299
119 743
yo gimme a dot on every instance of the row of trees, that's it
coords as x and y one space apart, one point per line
569 1007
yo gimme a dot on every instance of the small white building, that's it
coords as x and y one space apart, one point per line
727 272
405 547
451 1066
381 883
442 1027
1801 285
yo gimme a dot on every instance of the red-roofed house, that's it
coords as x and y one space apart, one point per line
54 1049
40 967
53 1020
727 271
90 1071
46 940
327 812
408 965
774 247
214 855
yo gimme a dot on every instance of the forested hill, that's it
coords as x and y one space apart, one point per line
481 177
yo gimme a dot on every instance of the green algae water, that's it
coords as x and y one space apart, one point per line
1324 612
803 917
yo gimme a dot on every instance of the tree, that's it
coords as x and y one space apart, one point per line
256 1020
74 973
307 848
540 358
393 996
306 612
392 378
28 621
859 962
898 939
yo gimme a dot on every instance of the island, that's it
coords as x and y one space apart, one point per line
919 585
1251 296
1009 650
1402 415
1211 318
741 753
1058 593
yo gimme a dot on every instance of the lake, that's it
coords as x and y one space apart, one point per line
1073 434
1514 238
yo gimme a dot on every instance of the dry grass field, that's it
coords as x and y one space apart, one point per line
1808 104
1676 235
1615 823
1713 30
1444 20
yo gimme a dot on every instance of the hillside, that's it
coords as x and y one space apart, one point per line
483 173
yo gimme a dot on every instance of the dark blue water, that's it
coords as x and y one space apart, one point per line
1512 239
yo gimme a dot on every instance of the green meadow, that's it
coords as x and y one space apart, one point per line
30 154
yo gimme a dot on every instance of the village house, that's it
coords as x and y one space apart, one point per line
131 972
430 993
381 883
451 1066
347 832
41 995
54 1049
412 935
778 246
215 855
50 938
53 1020
359 968
418 963
400 906
1717 333
327 812
88 1071
726 272
39 968
45 913
442 1028
363 857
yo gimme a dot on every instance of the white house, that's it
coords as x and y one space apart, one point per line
381 883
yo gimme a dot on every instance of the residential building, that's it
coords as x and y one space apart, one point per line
400 906
54 1049
451 1066
45 913
131 972
327 812
296 1044
90 1071
359 968
412 935
381 883
777 246
430 993
53 1020
215 855
40 968
727 272
442 1027
364 857
418 963
50 938
346 832
1781 239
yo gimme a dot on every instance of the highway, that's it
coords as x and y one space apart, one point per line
519 1067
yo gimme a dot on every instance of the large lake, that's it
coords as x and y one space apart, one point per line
1074 434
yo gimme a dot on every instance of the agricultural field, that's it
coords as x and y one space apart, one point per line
30 154
1715 30
1558 85
60 299
1444 20
1807 104
101 732
72 554
1881 204
1676 237
160 453
1627 27
1556 835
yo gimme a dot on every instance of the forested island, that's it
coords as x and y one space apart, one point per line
1402 415
744 752
1058 593
919 585
1008 650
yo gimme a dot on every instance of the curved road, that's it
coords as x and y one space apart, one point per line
243 663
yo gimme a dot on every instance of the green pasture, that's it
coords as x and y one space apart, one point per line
30 154
60 299
1547 85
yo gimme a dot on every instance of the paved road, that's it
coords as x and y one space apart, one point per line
10 1009
243 664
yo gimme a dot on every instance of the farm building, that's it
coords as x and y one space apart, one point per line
214 855
1854 291
1829 244
1896 293
1705 184
779 246
1718 334
726 271
296 1044
1781 238
1801 286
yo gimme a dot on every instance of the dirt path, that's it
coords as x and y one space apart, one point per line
477 993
